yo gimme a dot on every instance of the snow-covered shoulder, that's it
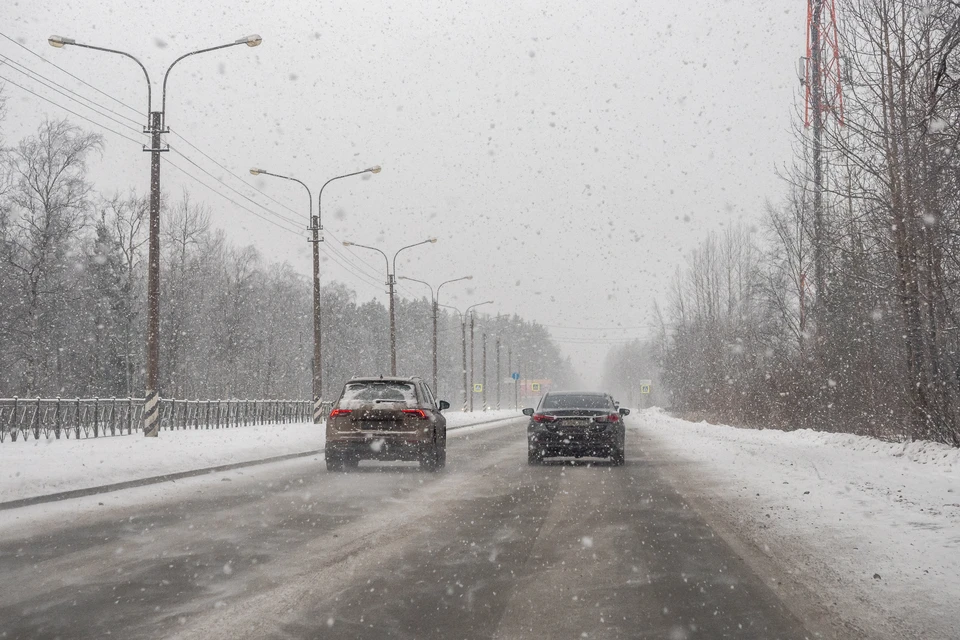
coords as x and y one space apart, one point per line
873 526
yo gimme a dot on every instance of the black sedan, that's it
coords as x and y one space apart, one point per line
576 424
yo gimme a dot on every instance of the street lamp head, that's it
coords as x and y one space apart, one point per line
468 277
374 169
433 240
347 243
59 41
250 41
256 171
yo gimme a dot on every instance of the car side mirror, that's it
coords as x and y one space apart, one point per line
528 411
624 412
444 405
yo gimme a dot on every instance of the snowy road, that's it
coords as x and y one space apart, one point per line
490 548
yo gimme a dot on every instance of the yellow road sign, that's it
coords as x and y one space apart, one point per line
478 388
535 386
645 388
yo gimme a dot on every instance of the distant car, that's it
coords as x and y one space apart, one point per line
386 419
576 424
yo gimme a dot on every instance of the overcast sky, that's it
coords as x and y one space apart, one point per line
566 154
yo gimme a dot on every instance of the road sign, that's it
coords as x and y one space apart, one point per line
645 386
478 388
515 375
535 386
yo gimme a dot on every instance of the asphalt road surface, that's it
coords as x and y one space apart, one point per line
490 548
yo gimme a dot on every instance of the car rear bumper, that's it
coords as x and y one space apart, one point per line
377 446
578 445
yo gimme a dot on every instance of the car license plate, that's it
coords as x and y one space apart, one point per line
575 422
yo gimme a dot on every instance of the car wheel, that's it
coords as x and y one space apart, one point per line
441 456
334 462
534 456
429 457
618 457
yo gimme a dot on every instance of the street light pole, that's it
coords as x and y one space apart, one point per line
156 126
484 384
473 362
315 228
466 313
435 299
391 281
498 372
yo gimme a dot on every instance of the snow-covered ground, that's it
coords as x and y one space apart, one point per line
869 529
41 467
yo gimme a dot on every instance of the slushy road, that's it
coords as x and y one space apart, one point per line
489 548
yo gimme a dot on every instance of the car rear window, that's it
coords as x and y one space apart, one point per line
357 394
576 402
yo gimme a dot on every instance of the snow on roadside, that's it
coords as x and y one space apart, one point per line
45 466
40 467
871 527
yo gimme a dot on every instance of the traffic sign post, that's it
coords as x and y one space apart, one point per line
645 386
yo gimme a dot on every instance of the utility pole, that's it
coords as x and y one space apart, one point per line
316 226
484 371
436 310
463 332
393 327
391 281
151 413
498 372
156 126
435 297
473 359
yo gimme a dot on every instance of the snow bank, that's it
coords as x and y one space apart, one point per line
39 467
871 527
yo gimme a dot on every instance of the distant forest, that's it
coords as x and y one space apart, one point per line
233 325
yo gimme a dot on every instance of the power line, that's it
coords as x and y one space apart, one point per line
344 260
351 260
106 128
42 79
32 52
228 198
139 143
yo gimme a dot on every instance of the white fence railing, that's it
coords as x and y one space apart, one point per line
21 418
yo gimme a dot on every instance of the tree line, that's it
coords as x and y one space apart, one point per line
846 320
233 324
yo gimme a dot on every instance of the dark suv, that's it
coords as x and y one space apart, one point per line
576 424
386 419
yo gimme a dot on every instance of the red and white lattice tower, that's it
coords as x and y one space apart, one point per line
824 97
824 94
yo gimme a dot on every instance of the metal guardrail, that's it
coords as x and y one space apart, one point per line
101 417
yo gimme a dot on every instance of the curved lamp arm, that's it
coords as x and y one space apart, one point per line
448 282
373 169
264 172
459 313
250 41
59 42
432 298
409 246
347 243
479 304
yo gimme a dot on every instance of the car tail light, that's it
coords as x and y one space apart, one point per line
613 417
340 412
542 417
420 413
